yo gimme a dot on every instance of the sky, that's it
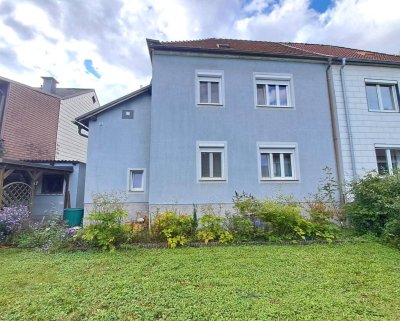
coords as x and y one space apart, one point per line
101 44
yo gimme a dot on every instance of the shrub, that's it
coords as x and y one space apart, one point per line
173 228
391 232
49 236
376 202
12 221
241 227
137 232
211 229
287 223
106 230
245 204
324 206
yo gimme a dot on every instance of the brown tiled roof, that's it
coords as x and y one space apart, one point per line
342 52
273 49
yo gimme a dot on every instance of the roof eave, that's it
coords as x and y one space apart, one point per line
85 118
237 52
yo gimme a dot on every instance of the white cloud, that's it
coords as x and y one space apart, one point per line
46 37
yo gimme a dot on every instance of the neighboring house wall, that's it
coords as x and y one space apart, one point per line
30 124
77 185
177 124
116 145
70 145
369 128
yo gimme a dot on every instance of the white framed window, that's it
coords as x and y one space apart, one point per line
210 88
277 161
273 90
136 179
211 161
382 95
387 159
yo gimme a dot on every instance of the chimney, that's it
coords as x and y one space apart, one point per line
49 84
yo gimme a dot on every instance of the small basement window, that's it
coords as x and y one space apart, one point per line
52 184
136 180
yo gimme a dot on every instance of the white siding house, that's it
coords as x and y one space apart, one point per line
71 146
371 132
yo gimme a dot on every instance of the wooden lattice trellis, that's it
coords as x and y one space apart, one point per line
17 193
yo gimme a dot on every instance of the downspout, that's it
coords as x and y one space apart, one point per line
347 115
335 131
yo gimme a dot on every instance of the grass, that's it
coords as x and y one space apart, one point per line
359 281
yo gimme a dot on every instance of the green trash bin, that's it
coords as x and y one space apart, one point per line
73 216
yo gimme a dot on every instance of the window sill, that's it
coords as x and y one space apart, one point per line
209 105
383 111
274 107
212 180
279 180
136 191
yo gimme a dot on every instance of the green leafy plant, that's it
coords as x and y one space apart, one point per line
106 230
324 206
241 227
286 222
375 202
173 228
245 204
49 236
211 228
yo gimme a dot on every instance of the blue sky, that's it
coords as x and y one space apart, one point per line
320 5
101 44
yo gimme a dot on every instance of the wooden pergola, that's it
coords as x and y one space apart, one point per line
33 172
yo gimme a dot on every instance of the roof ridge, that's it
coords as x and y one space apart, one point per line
214 38
304 50
341 47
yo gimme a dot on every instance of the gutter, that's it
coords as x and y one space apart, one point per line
80 127
347 116
335 131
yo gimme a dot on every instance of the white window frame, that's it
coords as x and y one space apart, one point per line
378 82
274 79
130 182
210 76
387 149
281 148
212 146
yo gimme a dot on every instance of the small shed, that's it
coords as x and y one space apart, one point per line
27 183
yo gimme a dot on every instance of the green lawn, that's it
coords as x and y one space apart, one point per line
314 282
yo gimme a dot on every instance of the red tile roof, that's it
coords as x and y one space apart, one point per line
273 48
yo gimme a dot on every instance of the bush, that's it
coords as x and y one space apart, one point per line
376 202
12 221
211 229
246 204
324 206
49 236
173 228
286 223
106 230
391 233
241 227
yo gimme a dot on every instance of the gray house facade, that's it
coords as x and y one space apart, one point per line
219 116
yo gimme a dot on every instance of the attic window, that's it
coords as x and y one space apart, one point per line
93 99
223 45
363 53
